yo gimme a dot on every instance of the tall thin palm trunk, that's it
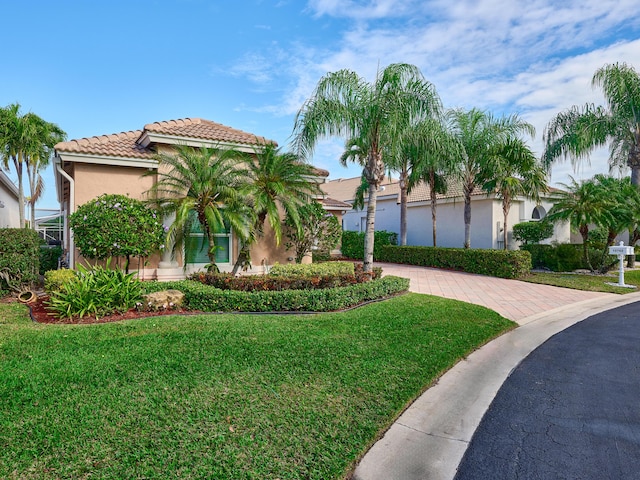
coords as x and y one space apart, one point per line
403 207
434 202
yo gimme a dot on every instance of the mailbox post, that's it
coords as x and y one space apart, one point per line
621 251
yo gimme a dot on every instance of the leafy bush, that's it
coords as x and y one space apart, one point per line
210 299
496 263
49 256
311 269
353 243
320 232
19 258
116 226
566 257
54 279
96 291
532 232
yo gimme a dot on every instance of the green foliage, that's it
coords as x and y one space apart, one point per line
210 299
55 279
565 257
19 257
318 231
532 232
496 263
116 226
312 269
96 291
353 243
49 257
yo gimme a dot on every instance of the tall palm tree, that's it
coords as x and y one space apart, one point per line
344 104
513 171
26 141
576 132
582 204
205 187
279 181
480 133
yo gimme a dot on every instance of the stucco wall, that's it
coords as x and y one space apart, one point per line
9 215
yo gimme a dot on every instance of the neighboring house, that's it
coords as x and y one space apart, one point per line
115 164
9 211
486 214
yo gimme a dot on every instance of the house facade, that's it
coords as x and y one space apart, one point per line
487 220
9 205
120 164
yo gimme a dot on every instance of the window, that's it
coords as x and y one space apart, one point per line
196 245
538 213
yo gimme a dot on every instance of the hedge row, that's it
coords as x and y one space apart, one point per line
313 269
353 243
209 299
19 256
566 257
496 263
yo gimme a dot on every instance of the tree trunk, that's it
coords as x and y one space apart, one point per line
506 206
434 202
403 208
212 267
374 173
584 232
633 161
468 188
17 162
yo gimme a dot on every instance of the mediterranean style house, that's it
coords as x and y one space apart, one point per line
119 164
9 213
486 214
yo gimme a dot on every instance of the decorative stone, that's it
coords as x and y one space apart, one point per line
165 299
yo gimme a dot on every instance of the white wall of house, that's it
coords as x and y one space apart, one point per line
486 221
9 214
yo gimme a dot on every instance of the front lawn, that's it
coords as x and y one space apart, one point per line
221 396
593 283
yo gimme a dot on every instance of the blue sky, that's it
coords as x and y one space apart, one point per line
103 67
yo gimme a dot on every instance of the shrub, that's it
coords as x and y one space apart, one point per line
566 257
116 226
311 269
319 232
496 263
209 299
532 232
49 256
54 279
253 283
353 243
96 291
19 258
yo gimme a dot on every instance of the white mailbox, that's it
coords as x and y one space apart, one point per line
621 251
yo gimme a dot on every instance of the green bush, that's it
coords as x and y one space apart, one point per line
496 263
532 232
54 279
96 291
49 256
313 269
353 243
209 299
19 258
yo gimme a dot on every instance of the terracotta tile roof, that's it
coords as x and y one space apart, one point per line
205 130
333 203
125 144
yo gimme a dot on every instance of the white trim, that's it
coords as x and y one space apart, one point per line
147 138
4 178
106 160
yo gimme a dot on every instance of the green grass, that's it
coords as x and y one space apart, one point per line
593 283
221 396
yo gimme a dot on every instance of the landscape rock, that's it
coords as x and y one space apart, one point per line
165 299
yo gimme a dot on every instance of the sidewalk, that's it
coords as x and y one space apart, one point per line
429 439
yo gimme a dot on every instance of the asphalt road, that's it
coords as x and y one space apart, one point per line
570 410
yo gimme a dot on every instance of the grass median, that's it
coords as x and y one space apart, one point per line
588 282
221 396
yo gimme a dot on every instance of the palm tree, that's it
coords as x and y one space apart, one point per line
205 187
513 171
576 132
582 205
344 104
480 134
279 181
26 141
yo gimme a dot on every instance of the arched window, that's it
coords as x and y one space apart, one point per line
538 213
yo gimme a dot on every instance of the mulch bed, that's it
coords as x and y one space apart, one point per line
40 314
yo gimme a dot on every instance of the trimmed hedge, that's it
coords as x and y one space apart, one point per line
313 269
256 283
19 256
353 243
566 257
496 263
209 299
49 256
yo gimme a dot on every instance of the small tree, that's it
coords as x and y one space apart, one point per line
116 226
532 232
319 230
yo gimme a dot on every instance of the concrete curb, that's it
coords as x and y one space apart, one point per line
429 439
